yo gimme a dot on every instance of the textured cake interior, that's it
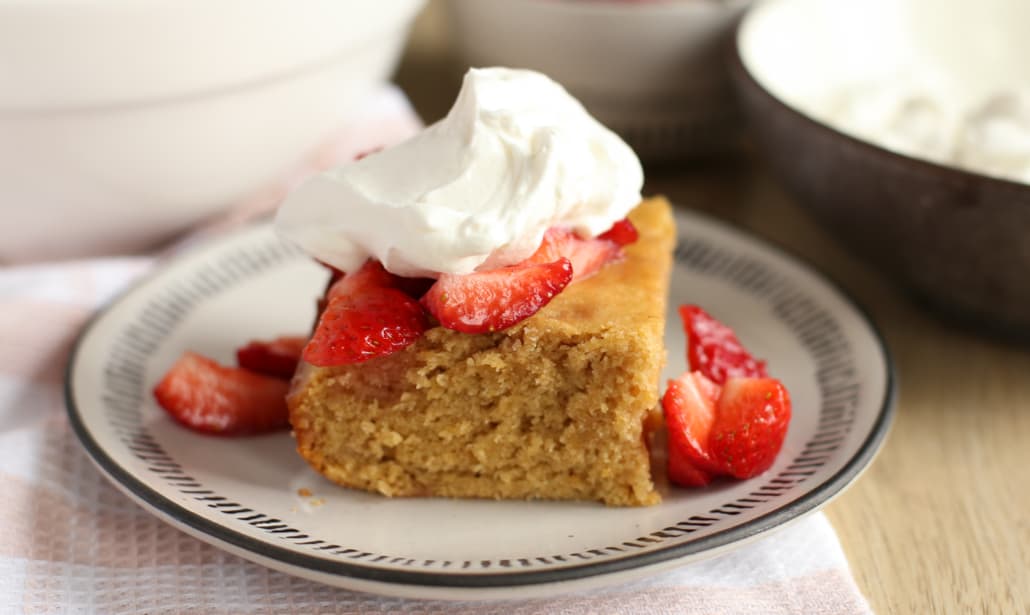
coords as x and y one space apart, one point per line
556 407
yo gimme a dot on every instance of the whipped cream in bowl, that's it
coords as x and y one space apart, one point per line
903 127
945 81
515 156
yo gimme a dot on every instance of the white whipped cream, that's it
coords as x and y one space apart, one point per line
515 156
990 136
943 80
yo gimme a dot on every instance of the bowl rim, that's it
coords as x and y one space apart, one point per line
919 166
622 8
84 76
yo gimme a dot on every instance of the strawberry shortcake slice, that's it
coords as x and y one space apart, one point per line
538 380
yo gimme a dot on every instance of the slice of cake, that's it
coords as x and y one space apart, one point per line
555 407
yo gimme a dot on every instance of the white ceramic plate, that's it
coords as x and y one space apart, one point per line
243 494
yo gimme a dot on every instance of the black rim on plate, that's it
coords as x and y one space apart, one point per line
806 503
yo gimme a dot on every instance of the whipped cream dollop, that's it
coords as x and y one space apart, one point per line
515 156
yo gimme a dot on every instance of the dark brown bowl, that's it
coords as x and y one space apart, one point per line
958 240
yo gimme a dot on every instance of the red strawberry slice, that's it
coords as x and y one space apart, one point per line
751 419
681 472
370 275
690 406
622 232
549 250
495 300
211 398
725 417
374 322
276 358
589 255
714 350
415 288
586 255
364 316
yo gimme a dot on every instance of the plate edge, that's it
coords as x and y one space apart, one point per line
809 502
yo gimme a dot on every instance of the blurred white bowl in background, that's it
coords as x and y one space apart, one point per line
655 72
122 123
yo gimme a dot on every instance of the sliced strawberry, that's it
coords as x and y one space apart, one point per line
550 248
495 300
364 315
415 288
372 323
211 398
586 255
751 419
681 472
589 255
622 232
370 275
714 350
689 403
276 358
726 416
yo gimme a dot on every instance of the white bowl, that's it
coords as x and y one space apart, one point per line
652 71
123 123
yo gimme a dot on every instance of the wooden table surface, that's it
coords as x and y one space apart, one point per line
940 523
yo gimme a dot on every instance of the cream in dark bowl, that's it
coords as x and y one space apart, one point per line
958 238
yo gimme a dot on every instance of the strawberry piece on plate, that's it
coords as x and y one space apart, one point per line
751 420
364 318
277 358
495 300
690 406
725 417
681 472
714 350
622 232
211 398
736 429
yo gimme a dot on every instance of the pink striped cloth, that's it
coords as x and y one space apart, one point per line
71 543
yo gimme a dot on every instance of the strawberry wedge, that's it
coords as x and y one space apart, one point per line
211 398
622 232
587 256
713 348
277 358
751 420
495 300
725 416
365 317
689 405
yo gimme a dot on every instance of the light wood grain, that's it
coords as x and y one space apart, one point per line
941 521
